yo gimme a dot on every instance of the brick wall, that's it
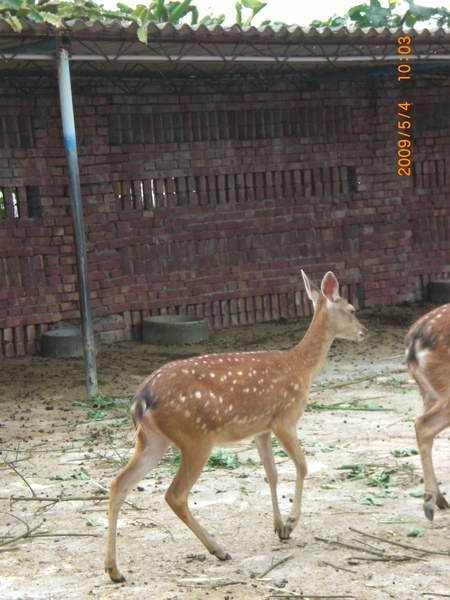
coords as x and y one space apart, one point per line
210 204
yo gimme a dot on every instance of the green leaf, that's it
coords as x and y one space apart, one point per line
371 501
61 477
142 34
124 8
254 4
405 452
180 11
372 405
415 532
387 494
52 19
222 460
81 476
14 4
416 494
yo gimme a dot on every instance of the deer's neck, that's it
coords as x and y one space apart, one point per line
311 352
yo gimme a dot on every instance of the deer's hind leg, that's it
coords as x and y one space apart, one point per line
150 447
427 427
193 459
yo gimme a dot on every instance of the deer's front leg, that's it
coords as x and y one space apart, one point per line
287 436
264 447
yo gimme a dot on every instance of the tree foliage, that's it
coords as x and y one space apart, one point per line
404 13
399 13
55 12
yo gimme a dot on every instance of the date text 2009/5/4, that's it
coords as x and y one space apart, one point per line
404 126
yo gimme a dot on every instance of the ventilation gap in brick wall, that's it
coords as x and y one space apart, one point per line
16 132
34 201
352 180
214 125
9 203
235 187
430 173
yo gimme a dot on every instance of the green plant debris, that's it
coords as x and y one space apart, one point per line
221 490
318 445
416 532
253 463
103 406
247 490
392 519
375 475
217 460
371 500
172 459
416 494
370 405
81 476
387 494
93 523
405 452
222 460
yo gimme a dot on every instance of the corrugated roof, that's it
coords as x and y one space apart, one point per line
202 51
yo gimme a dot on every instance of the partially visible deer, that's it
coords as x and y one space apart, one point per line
428 358
201 402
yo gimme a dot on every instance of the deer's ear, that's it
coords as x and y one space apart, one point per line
330 287
311 289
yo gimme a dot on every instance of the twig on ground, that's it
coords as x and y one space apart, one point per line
11 466
27 533
278 592
325 562
401 545
351 546
56 499
275 565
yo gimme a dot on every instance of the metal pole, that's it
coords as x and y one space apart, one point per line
70 144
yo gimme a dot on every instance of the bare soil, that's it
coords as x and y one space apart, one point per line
56 450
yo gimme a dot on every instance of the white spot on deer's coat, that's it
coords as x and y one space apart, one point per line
212 374
187 413
198 394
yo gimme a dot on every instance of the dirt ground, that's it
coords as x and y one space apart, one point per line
57 451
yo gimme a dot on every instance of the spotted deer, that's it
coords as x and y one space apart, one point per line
427 347
198 403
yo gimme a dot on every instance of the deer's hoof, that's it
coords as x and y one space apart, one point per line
115 575
429 511
442 502
284 533
222 556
